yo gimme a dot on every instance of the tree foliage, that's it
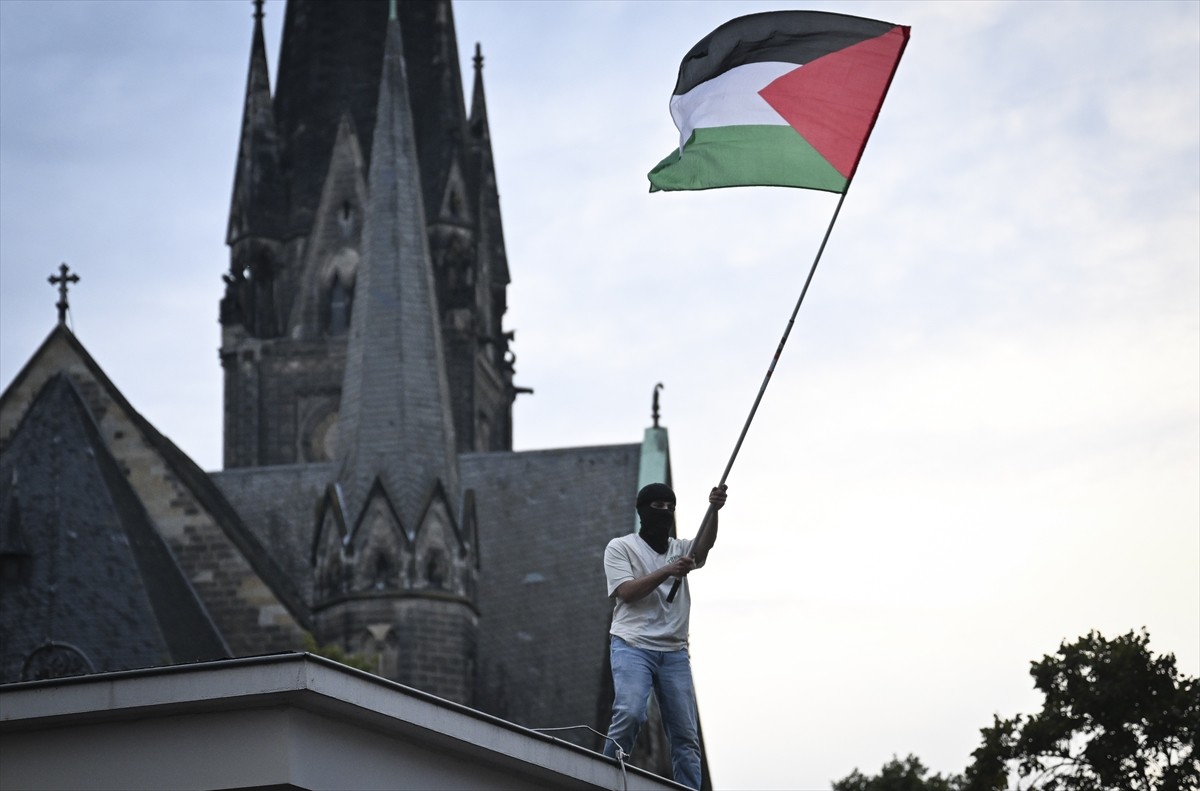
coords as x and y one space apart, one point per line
907 775
1114 717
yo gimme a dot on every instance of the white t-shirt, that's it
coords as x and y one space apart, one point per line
650 622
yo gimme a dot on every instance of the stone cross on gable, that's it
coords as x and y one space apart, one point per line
61 280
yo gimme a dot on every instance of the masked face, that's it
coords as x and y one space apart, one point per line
656 510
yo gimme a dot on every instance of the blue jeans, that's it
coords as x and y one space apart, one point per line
637 671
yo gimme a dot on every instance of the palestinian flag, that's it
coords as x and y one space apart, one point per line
785 98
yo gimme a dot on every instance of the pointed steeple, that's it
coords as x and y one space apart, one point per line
255 209
395 425
479 122
491 229
493 280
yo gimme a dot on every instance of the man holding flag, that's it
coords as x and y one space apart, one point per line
786 99
649 643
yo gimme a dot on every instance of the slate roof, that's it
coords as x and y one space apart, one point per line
181 466
544 520
278 505
99 576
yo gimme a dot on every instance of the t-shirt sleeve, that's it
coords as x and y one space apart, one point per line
617 565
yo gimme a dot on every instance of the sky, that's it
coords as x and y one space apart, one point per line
983 435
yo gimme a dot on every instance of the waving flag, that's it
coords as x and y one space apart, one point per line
785 98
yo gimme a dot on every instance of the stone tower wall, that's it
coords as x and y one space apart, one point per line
281 400
424 641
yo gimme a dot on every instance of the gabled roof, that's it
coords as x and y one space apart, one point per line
100 579
62 351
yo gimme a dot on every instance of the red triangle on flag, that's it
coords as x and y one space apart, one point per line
833 101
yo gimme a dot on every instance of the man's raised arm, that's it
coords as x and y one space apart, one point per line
708 528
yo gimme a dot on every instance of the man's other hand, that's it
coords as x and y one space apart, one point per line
681 566
717 497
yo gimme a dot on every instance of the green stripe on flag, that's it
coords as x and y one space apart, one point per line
746 156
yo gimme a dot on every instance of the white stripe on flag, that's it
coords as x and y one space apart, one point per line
729 99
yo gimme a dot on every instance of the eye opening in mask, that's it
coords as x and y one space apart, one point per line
662 505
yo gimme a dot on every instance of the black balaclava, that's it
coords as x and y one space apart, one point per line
656 524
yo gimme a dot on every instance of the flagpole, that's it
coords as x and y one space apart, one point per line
705 524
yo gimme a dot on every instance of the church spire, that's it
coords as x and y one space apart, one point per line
491 231
489 196
479 122
395 425
295 288
254 209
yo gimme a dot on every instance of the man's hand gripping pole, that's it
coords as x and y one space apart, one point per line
703 540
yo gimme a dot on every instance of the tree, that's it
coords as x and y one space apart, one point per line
897 775
1115 717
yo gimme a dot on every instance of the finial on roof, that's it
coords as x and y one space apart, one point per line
478 57
61 280
654 406
392 15
258 10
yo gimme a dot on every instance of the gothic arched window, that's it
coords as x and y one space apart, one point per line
340 299
381 574
436 568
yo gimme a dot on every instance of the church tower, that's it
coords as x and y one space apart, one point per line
296 229
395 551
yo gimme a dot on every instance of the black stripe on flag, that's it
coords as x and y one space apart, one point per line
774 36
